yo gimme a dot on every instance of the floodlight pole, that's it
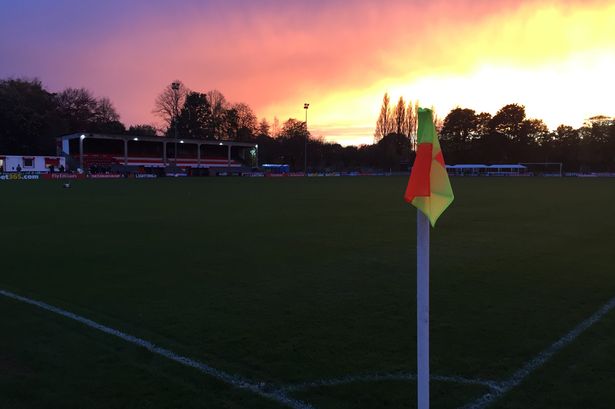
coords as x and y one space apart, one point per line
81 138
175 88
305 106
422 308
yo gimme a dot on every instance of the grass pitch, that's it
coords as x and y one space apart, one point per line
293 280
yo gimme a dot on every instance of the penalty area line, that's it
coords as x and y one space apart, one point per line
388 376
236 381
539 360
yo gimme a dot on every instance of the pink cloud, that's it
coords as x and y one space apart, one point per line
266 55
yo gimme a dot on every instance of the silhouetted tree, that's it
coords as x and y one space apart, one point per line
169 102
230 124
508 120
483 121
105 111
217 110
459 126
458 131
246 122
411 117
504 133
105 118
263 128
82 112
598 143
275 127
194 119
29 118
292 137
142 130
393 152
385 124
294 129
399 117
77 106
566 147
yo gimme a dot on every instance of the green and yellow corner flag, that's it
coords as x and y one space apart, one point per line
429 189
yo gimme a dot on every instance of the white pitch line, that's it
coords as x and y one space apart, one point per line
497 389
237 381
387 376
539 360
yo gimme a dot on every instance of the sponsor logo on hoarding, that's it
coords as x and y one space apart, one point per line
62 176
105 176
18 176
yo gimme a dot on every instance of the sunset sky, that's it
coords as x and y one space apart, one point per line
555 57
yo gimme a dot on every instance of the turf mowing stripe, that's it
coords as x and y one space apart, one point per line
540 359
388 376
261 389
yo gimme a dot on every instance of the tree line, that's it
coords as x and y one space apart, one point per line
508 136
208 115
32 117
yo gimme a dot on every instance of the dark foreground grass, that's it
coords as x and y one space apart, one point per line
49 362
389 395
290 280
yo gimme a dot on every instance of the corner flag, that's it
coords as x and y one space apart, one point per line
429 189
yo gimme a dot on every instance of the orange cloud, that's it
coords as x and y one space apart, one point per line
342 56
554 58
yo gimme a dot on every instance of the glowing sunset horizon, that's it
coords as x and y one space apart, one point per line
556 58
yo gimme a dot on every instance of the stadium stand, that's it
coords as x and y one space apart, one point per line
103 152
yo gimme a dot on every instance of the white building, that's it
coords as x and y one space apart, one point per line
30 163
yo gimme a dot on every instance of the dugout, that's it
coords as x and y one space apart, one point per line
466 170
486 170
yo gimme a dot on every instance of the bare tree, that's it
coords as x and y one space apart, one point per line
245 117
169 102
83 112
77 105
437 121
294 129
399 117
411 117
105 111
275 128
263 128
216 99
218 107
384 125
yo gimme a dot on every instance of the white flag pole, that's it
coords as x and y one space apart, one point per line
422 308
